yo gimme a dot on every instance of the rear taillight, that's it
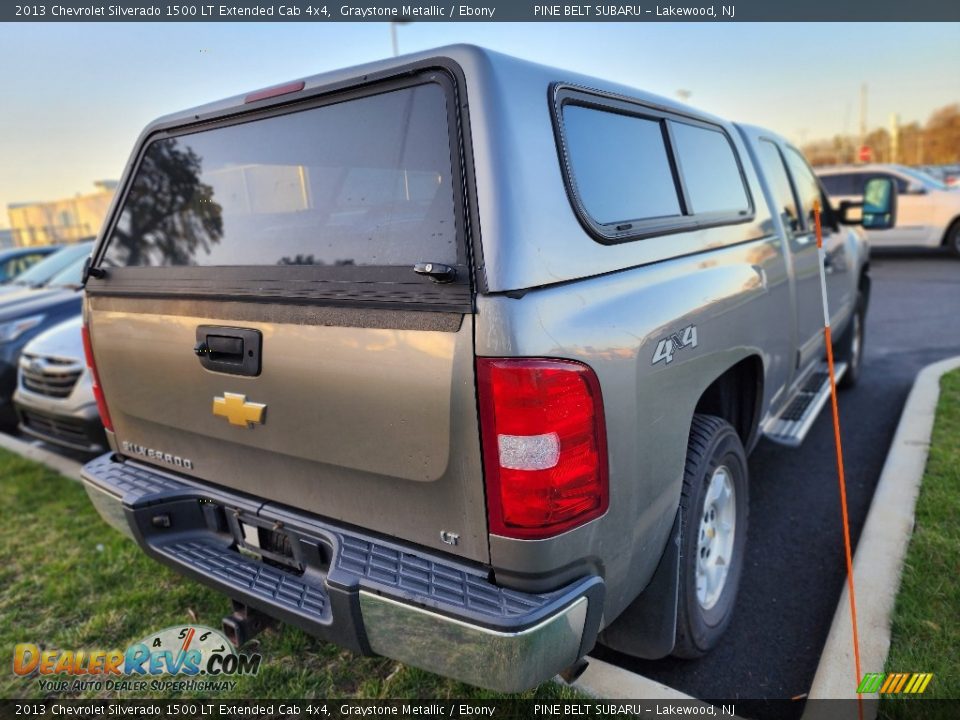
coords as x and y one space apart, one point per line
97 390
544 445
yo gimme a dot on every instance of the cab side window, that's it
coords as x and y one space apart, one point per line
806 184
773 168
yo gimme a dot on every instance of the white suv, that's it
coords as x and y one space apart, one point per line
928 212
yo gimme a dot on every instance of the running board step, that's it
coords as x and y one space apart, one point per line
792 425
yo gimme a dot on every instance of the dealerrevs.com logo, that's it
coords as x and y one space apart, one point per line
201 656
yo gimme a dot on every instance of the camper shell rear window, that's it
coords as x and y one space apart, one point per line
336 199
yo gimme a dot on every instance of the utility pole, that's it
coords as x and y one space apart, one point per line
845 136
393 34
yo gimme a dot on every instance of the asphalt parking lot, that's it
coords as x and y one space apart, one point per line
795 567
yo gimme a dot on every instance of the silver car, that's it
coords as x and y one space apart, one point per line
54 397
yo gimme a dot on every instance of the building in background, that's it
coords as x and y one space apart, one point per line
6 238
61 221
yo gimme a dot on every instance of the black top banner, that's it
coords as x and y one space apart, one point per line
482 11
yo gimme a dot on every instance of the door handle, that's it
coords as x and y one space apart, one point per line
221 347
229 350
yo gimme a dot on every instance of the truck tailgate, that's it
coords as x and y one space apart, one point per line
372 426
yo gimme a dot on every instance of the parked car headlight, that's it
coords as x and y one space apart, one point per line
10 331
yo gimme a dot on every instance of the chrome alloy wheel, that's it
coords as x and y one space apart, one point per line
715 544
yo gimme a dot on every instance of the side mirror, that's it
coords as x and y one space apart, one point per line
879 204
878 209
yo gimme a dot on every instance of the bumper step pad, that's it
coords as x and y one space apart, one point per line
259 579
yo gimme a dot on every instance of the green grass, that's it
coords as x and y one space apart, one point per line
926 621
68 581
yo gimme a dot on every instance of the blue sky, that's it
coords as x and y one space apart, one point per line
76 95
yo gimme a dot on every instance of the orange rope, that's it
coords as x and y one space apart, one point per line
842 479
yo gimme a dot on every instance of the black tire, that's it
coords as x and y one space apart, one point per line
952 241
713 445
849 348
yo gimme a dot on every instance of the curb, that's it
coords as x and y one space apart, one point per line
882 548
63 465
609 682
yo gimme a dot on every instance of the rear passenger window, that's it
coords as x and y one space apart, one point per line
634 171
620 165
709 169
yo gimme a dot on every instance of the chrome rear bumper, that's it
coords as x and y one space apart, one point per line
498 660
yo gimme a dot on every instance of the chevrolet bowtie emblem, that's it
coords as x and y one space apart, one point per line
235 408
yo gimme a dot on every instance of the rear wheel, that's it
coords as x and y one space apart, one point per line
713 527
849 348
953 239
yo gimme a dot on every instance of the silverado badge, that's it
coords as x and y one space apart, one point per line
235 408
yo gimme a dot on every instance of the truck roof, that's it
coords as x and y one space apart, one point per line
469 57
520 190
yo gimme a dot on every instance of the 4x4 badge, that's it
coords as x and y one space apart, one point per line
235 408
677 341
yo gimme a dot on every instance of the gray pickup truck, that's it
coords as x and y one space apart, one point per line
456 358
